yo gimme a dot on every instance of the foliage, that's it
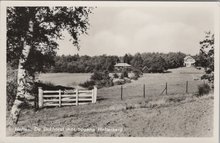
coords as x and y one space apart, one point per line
37 29
155 64
119 81
206 56
159 62
174 60
101 79
158 65
137 61
203 89
48 25
88 84
11 86
84 64
127 58
97 75
142 62
115 75
124 74
136 74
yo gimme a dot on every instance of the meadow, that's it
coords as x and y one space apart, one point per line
154 83
65 79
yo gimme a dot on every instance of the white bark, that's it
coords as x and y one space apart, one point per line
21 92
21 80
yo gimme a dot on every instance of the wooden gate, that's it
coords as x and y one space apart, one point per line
66 97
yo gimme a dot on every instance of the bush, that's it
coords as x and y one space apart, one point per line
118 81
124 74
104 83
203 89
137 73
98 76
88 84
115 75
101 79
134 77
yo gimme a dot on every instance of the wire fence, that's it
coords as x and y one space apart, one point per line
128 91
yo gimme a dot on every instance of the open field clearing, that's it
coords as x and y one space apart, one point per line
154 83
174 115
65 79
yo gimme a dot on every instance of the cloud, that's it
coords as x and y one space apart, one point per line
165 37
116 44
130 20
116 31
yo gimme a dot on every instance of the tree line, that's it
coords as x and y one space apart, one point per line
145 62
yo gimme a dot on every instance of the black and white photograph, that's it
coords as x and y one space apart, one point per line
111 69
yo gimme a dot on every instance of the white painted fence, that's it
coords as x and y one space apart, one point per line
66 97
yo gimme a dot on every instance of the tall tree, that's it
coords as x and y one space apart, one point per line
127 58
36 29
207 55
137 61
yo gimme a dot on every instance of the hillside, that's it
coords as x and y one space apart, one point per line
181 115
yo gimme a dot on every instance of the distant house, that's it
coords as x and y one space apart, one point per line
121 66
189 61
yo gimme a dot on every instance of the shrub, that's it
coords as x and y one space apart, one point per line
119 81
97 76
88 84
115 75
127 80
124 74
203 89
136 73
134 77
104 83
100 79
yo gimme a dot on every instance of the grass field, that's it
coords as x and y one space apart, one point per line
154 83
174 115
65 79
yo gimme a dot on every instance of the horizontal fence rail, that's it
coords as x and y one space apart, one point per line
66 97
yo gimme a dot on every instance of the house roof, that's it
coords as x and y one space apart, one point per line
122 65
188 57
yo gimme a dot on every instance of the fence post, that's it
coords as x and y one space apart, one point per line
121 92
166 88
59 98
77 96
95 94
35 103
186 86
144 90
40 97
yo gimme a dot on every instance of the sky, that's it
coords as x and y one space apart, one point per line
120 30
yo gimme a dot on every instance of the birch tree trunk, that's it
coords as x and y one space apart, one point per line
21 80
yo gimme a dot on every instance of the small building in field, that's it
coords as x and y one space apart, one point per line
189 61
122 66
